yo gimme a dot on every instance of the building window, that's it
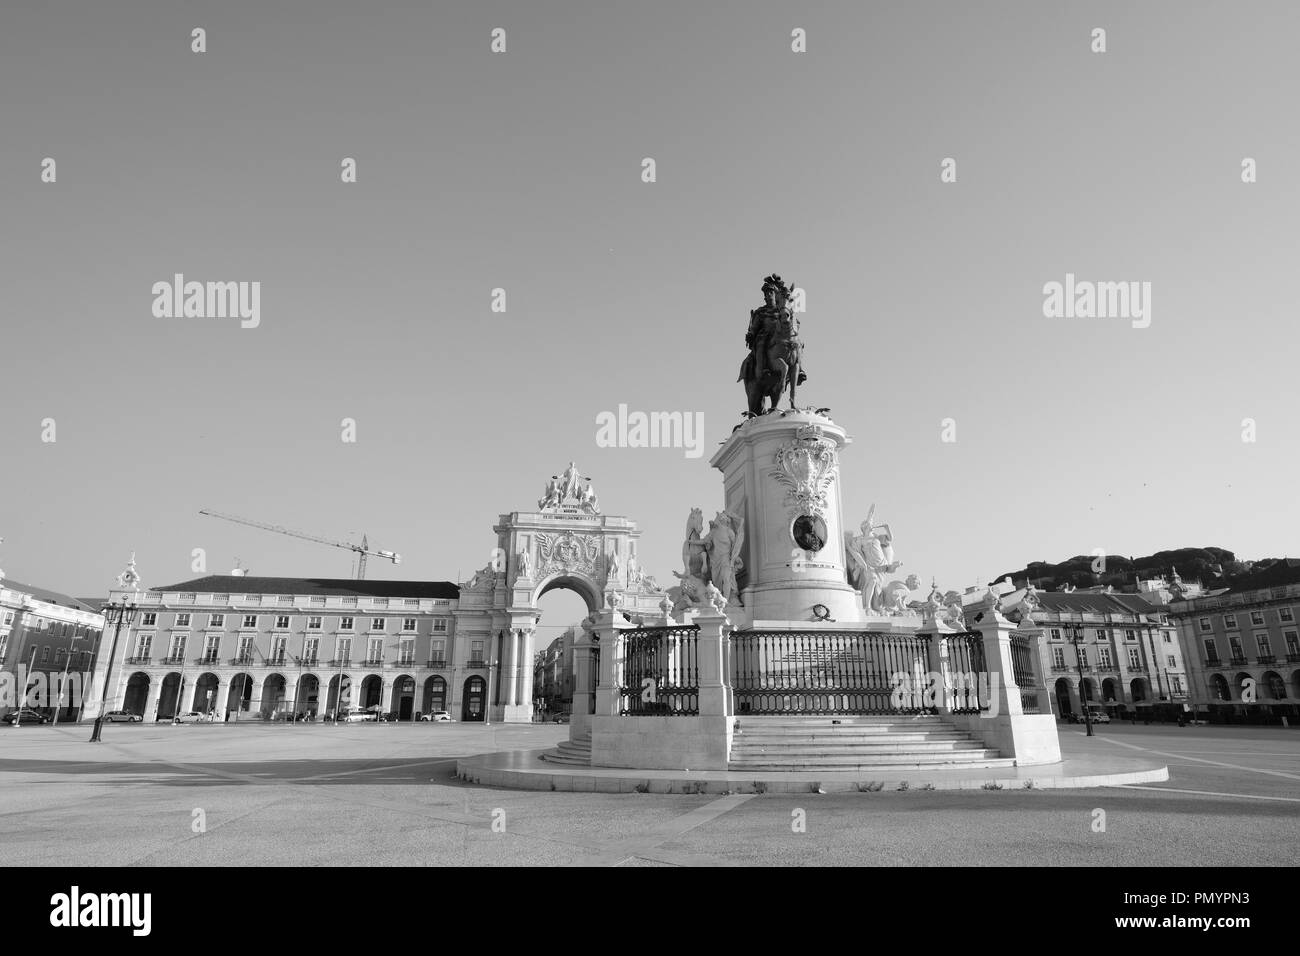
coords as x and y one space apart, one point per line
282 622
182 620
1265 649
1205 624
1055 633
277 650
1285 616
1257 618
1169 638
344 649
1130 635
375 651
245 650
60 656
1172 660
476 651
438 650
216 620
313 623
1292 644
377 623
1134 659
1103 656
440 625
4 645
408 652
1058 656
1177 683
250 620
143 646
1211 651
311 647
1234 643
345 623
408 623
149 619
178 647
211 647
1229 621
1101 634
45 654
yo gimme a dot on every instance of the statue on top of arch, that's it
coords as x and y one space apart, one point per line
571 491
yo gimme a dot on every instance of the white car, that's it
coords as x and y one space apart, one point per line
193 717
358 716
1099 717
436 715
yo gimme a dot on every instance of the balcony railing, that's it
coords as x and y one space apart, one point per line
436 662
402 662
307 661
1293 658
139 660
340 662
207 659
374 662
242 660
1238 661
1265 659
1215 662
476 662
276 659
176 659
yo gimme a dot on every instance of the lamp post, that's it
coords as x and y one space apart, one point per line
1076 638
18 715
120 611
63 679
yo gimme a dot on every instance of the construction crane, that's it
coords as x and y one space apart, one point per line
363 549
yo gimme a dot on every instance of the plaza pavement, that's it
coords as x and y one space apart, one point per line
370 795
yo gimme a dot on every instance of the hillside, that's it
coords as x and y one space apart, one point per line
1214 567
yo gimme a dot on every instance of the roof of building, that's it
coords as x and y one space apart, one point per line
48 596
1094 602
243 584
1276 575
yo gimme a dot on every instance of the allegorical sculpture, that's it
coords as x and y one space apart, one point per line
569 490
525 563
870 562
710 561
775 360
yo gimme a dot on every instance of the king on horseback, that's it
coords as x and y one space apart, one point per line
775 352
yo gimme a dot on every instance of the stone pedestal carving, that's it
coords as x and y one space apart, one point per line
781 472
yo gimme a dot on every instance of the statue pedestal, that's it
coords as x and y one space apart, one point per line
781 471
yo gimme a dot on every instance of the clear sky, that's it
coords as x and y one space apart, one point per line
522 171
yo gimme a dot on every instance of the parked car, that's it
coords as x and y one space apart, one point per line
122 716
561 718
29 716
357 716
436 715
193 717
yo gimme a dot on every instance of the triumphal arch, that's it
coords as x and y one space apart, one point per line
566 542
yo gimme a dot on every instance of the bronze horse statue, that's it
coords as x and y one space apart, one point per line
778 347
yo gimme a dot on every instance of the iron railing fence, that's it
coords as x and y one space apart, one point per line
968 680
1022 665
660 673
829 672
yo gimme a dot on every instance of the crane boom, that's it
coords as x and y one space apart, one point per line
363 549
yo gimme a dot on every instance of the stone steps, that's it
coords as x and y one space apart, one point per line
856 743
571 753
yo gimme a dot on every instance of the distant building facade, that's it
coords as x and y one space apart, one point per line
48 643
237 646
554 677
1244 645
1127 657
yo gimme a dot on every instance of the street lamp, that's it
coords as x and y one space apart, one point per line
1076 638
118 612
